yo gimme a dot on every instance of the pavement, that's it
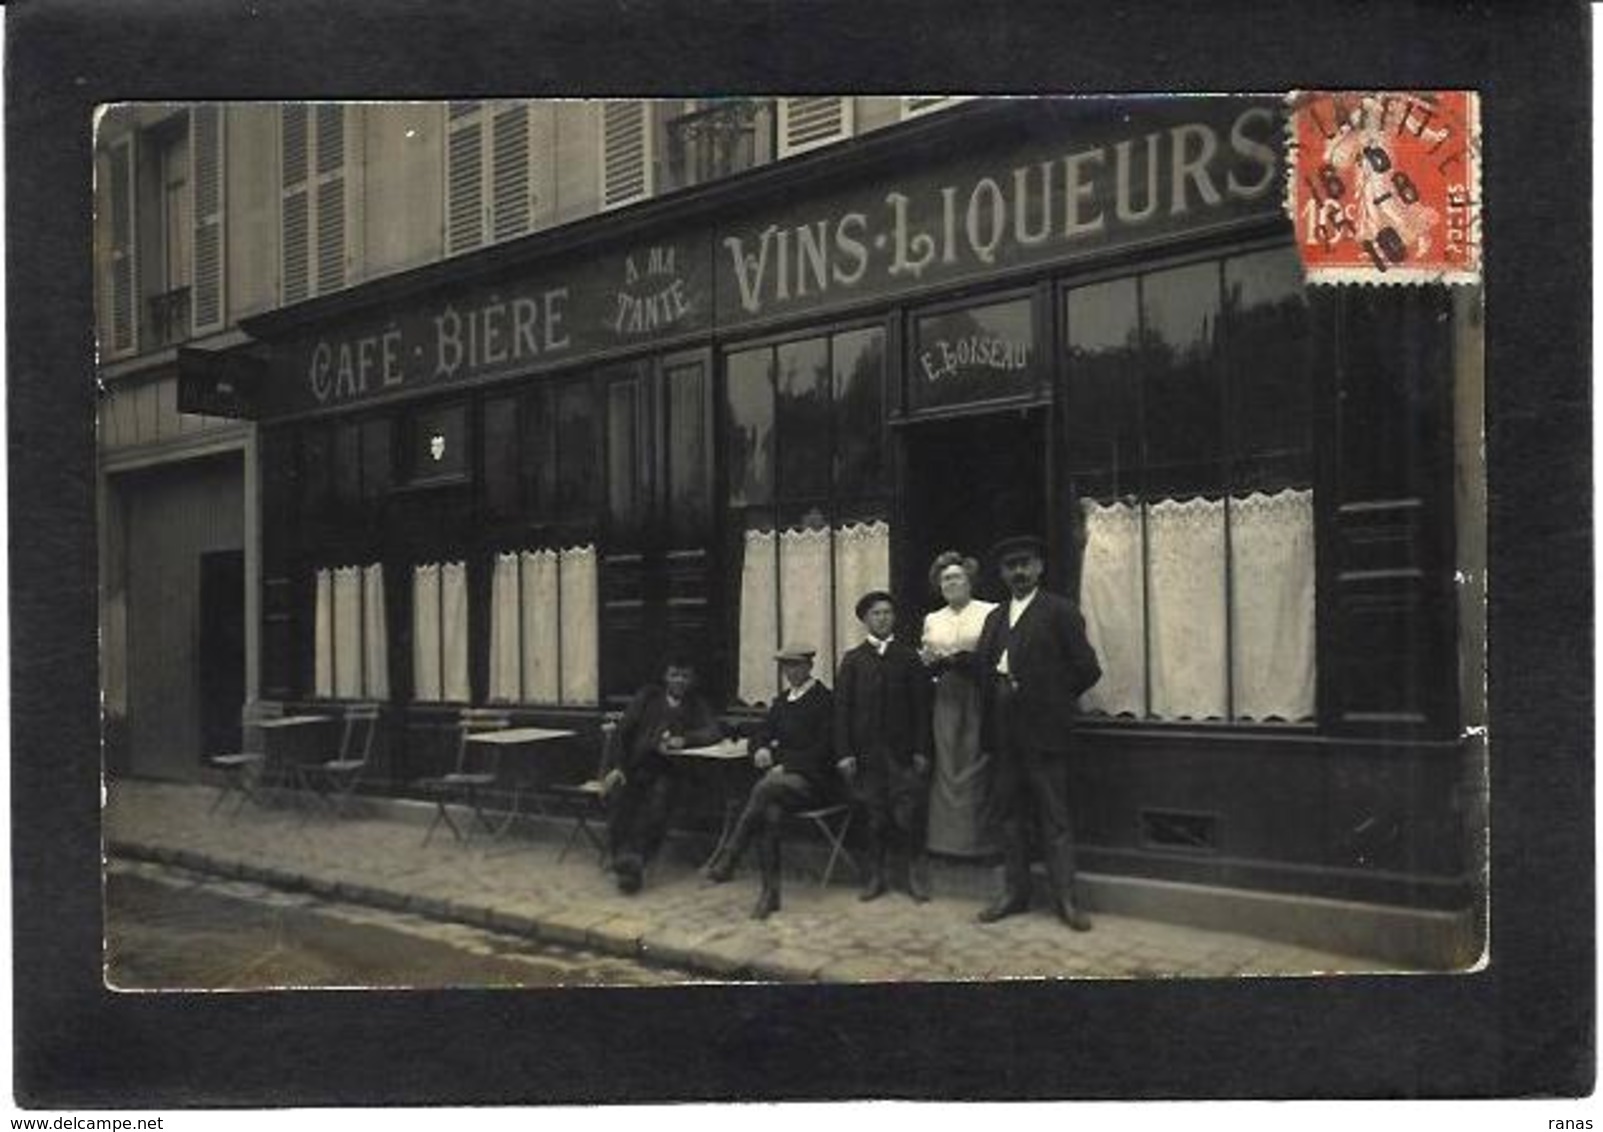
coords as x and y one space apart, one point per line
516 885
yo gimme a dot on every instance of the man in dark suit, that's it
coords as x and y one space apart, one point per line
792 748
640 782
1036 656
882 739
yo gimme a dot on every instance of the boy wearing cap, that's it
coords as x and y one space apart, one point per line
792 747
882 739
1035 653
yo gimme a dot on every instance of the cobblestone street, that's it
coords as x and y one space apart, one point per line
517 887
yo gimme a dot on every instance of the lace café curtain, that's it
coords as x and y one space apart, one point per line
801 585
440 632
544 646
350 647
1170 645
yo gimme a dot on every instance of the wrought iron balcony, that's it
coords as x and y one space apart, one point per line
726 137
169 317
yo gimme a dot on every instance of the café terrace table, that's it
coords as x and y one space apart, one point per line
284 740
723 759
514 738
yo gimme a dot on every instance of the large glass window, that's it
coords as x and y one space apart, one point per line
1189 448
806 496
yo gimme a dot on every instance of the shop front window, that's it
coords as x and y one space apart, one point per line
807 497
351 650
1189 449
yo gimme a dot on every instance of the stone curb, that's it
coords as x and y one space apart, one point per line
606 931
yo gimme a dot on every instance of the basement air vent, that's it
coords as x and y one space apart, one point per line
1175 829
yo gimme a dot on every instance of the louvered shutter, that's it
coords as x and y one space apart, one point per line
330 210
807 123
511 205
916 104
626 153
464 177
123 324
206 147
296 227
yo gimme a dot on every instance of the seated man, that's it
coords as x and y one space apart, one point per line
639 785
793 747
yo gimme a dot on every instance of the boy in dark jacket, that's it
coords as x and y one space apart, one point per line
792 748
882 738
640 783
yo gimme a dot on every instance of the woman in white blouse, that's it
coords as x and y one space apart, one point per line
962 770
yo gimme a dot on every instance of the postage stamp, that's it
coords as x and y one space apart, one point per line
1384 187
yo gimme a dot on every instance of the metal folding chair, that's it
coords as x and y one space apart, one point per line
334 780
242 770
474 775
832 823
585 802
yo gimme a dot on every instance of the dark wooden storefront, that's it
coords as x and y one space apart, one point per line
891 334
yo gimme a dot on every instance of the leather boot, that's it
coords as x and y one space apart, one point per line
918 877
1060 875
768 859
874 884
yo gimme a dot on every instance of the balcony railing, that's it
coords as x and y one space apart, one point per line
169 317
725 138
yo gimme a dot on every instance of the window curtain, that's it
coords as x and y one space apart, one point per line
1115 613
1270 646
862 563
544 644
323 637
1272 554
348 632
801 586
375 636
426 632
351 658
581 670
1186 608
759 625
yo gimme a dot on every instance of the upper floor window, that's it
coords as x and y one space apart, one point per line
914 105
316 223
709 138
494 157
810 122
628 152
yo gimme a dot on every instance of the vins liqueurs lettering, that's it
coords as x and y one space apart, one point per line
1077 196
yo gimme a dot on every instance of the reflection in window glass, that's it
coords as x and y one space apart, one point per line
376 457
749 416
1270 386
1104 394
687 451
974 354
1183 400
859 365
501 450
802 407
578 453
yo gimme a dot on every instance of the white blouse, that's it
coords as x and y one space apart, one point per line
947 631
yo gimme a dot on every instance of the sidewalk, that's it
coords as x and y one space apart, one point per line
517 886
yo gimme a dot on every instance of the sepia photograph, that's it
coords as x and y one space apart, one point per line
823 539
604 555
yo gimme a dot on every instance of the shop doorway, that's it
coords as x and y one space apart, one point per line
970 482
222 649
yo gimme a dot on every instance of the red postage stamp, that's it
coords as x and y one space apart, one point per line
1384 187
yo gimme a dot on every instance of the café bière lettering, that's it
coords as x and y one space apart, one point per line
999 217
1090 183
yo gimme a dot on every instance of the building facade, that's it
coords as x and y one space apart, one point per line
494 403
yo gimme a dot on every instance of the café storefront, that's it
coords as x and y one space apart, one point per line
710 421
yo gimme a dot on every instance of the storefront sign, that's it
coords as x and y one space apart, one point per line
973 354
655 291
1135 172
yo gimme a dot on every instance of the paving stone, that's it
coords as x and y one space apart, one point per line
790 964
619 935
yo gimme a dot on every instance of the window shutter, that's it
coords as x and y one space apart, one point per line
464 177
511 205
124 326
330 205
916 104
296 226
626 153
206 147
807 123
